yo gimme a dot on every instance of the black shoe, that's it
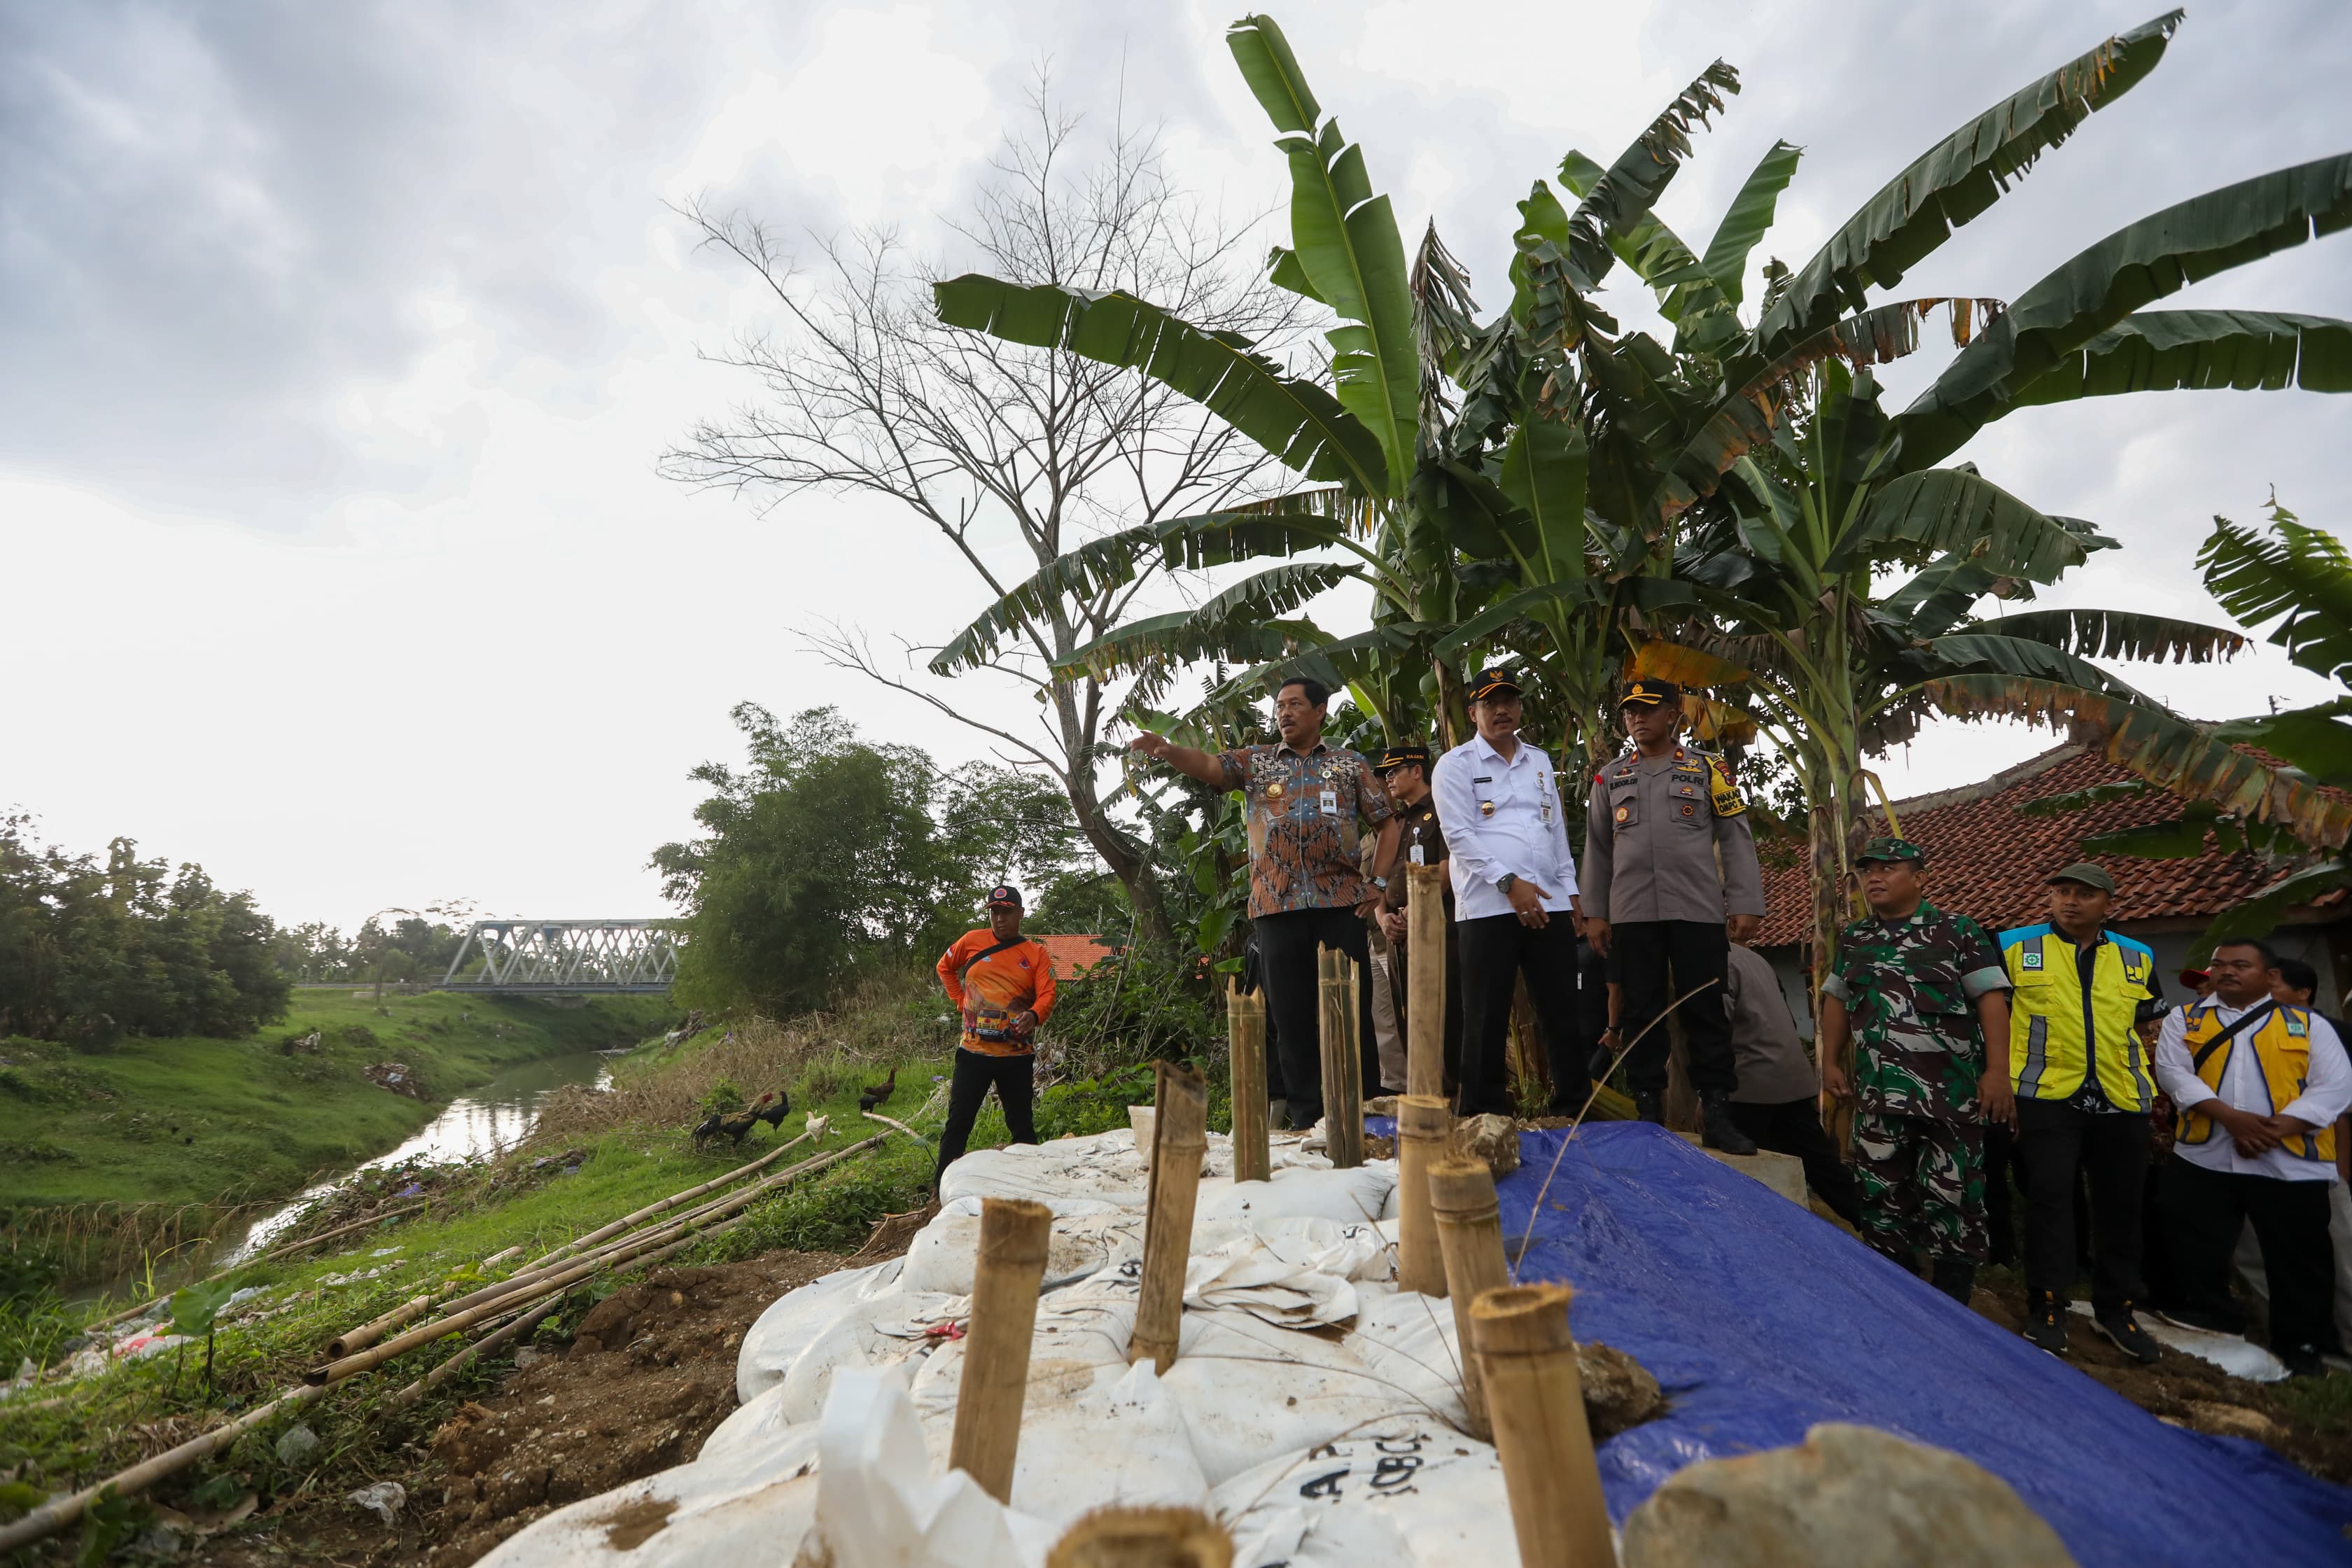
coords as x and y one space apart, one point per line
1649 1106
1955 1276
2202 1321
2045 1322
1720 1131
2303 1360
2123 1330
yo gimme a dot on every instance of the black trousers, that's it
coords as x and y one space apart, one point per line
2001 1215
1403 972
1288 944
1657 961
2110 1148
2205 1210
1017 1089
1496 950
1794 1127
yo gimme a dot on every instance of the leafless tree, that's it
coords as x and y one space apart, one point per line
865 391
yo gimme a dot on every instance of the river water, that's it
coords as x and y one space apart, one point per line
493 1116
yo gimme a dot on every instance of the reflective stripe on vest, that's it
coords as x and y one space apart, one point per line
2281 1046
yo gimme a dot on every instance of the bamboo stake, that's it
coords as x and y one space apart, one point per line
271 1256
1425 950
522 1289
1013 1235
1143 1538
1470 1234
1179 1136
667 1203
1246 1051
59 1512
1528 1359
1423 1124
1343 1095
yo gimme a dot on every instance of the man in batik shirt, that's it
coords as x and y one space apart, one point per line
1307 803
1925 998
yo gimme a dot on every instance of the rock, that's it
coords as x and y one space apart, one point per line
1851 1495
2234 1421
383 1498
295 1443
1492 1139
1619 1392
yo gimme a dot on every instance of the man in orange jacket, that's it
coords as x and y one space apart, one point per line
1003 982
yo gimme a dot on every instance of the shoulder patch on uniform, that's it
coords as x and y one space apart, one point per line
1722 791
2297 1026
2031 959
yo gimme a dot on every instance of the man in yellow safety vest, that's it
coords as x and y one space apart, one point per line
2259 1086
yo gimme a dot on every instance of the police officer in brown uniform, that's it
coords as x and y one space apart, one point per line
1405 771
1654 900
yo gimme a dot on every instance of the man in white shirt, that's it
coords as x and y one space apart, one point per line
2258 1088
1515 904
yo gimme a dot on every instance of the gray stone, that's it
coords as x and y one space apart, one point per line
1854 1496
1491 1138
1619 1392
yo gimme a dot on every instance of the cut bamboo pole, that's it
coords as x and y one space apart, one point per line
1179 1137
375 1329
1528 1359
1013 1235
1470 1236
1246 1051
1423 1124
1425 953
1343 1093
665 1206
481 1347
1143 1538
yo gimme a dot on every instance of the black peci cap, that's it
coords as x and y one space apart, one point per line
1404 756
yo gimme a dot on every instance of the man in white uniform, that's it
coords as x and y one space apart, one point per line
1514 898
2258 1088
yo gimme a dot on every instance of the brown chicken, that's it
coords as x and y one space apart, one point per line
874 1094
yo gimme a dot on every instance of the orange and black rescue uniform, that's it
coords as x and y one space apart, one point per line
993 984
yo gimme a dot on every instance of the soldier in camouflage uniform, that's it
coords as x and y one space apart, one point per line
1925 998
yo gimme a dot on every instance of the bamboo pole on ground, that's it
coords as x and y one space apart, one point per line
1425 950
1343 1095
1470 1236
1143 1538
1423 1124
1013 1237
375 1329
665 1206
481 1347
1245 1053
1528 1359
1179 1136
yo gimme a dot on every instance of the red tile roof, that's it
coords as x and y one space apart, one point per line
1988 861
1074 955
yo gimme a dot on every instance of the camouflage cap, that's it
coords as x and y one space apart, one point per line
1885 848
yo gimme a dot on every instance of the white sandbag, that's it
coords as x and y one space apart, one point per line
794 1318
878 1506
1407 1491
731 1506
942 1256
871 1334
1361 1195
1294 1273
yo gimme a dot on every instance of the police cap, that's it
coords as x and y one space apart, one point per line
1651 694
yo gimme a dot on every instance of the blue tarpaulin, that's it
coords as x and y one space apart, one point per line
1759 1319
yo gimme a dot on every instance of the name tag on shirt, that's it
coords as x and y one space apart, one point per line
1413 855
1330 803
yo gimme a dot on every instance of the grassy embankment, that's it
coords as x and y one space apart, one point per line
149 1125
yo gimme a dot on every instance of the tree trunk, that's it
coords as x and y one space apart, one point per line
1829 897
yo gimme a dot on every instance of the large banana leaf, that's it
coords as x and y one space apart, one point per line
1990 652
2171 351
1345 239
1648 592
2121 634
1749 214
2316 739
1938 596
1658 660
1543 473
1625 194
2164 750
1688 295
2301 577
1296 421
2100 287
1179 638
1951 509
1343 662
1956 180
2258 915
1185 544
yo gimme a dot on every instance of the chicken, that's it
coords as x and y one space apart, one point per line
874 1094
736 1125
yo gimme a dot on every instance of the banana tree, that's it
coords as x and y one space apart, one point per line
2279 785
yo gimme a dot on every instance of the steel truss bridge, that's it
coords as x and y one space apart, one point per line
565 958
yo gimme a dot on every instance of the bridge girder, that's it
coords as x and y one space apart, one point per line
566 958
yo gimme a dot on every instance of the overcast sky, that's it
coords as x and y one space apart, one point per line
337 345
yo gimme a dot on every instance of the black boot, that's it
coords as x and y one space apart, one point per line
1719 1131
1649 1105
1955 1276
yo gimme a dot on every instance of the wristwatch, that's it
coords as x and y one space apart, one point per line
1380 882
1503 883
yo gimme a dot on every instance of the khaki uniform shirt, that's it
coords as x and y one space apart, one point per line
1650 840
